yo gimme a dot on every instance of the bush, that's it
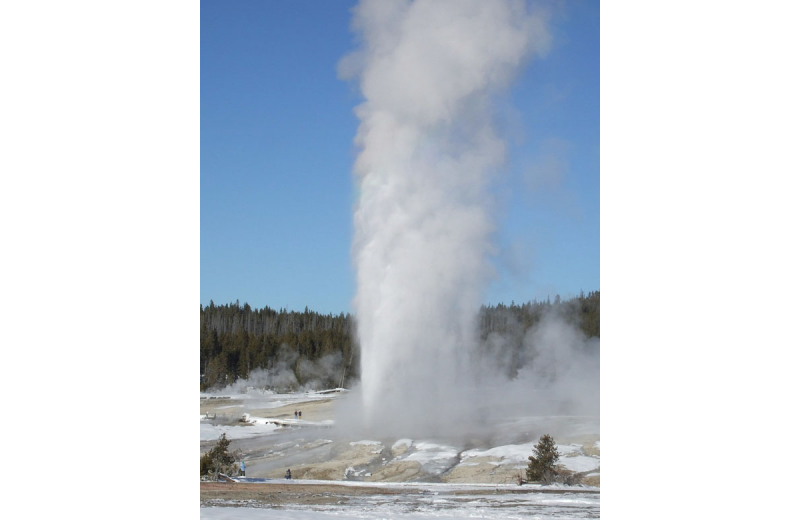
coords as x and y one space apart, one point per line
542 465
570 479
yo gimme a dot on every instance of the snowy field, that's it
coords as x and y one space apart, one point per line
431 501
447 478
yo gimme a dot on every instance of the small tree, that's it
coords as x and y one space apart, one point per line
218 460
542 465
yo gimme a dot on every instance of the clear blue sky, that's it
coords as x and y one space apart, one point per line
277 127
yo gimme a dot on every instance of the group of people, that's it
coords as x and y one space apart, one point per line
298 414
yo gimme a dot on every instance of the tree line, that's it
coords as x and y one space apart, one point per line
236 340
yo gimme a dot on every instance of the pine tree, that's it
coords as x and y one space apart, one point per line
218 460
542 465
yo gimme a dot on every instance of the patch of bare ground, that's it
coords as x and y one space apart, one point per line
312 411
334 469
400 471
283 494
594 480
483 470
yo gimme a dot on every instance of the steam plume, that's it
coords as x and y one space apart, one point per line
428 71
283 375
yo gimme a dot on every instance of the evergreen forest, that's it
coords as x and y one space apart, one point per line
292 349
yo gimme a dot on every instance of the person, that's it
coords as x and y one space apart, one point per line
288 474
299 414
295 414
241 467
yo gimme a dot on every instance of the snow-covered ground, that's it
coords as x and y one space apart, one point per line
431 501
230 407
272 440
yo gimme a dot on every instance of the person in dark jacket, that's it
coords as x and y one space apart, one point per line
288 474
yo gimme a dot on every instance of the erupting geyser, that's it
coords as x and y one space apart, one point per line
428 71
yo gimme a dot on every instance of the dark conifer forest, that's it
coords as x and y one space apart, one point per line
237 340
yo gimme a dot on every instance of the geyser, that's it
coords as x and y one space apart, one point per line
428 71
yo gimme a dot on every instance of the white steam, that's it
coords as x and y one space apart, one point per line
428 71
286 368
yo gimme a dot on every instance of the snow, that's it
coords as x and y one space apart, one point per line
402 442
210 432
257 399
269 399
433 500
580 463
428 500
429 452
509 453
368 443
571 457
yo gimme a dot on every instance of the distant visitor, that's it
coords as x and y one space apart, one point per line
288 474
241 467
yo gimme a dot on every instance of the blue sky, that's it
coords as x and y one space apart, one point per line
276 152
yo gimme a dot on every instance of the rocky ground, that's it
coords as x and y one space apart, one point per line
315 451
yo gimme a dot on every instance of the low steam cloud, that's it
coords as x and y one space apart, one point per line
290 373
